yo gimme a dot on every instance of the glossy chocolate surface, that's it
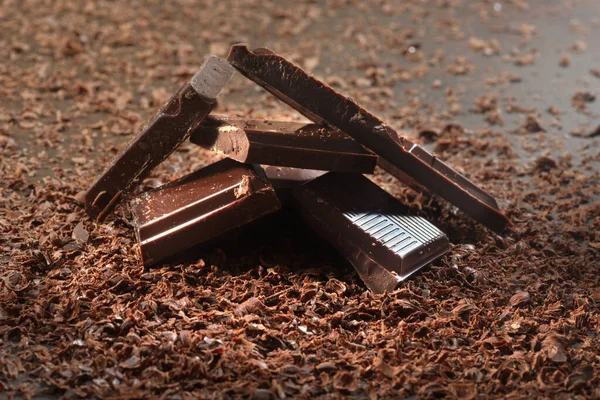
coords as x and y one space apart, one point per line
281 143
399 156
200 206
286 179
372 229
168 129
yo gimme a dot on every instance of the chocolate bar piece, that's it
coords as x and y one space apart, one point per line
200 206
288 144
170 127
285 179
399 156
288 177
372 229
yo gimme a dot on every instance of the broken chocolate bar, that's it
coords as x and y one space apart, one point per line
372 229
285 179
288 177
200 206
406 160
169 128
288 144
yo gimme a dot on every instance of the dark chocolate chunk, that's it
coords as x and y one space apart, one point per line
372 229
168 129
399 156
200 206
288 177
285 179
288 144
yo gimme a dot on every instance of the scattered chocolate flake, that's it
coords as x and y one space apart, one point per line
580 132
346 381
428 135
544 164
80 235
252 305
525 59
488 105
461 66
527 31
131 362
554 345
553 110
580 100
488 48
579 378
519 299
532 124
386 369
565 61
579 46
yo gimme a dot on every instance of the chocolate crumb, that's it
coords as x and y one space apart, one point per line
544 164
519 299
245 188
580 100
80 234
590 134
428 135
532 124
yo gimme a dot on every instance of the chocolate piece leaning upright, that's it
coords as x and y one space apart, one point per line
170 127
399 156
287 144
200 206
372 229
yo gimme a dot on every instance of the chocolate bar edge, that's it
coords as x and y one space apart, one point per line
492 217
257 145
355 241
168 233
118 179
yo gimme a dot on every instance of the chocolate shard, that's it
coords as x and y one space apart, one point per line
288 177
368 226
399 156
287 144
168 129
285 179
200 206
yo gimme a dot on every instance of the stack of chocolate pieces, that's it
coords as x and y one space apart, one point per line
316 169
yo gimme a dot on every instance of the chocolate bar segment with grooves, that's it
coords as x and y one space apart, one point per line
368 226
399 156
168 129
200 206
287 144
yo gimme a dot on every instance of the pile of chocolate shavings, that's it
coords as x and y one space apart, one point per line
81 317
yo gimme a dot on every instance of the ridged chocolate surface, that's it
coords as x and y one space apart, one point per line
168 129
372 229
